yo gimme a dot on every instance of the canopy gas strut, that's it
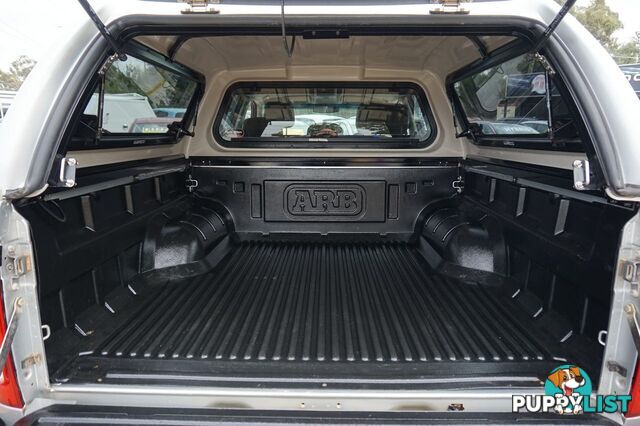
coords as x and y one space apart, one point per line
553 25
117 55
103 29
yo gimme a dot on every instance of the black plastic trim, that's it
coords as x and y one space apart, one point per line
78 414
127 140
173 50
142 52
495 57
344 142
131 170
356 25
480 45
325 161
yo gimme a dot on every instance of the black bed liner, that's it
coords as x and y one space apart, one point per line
424 287
333 308
325 302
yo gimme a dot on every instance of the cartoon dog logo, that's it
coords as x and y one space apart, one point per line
567 379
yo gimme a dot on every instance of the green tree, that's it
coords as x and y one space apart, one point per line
122 81
18 72
629 52
603 22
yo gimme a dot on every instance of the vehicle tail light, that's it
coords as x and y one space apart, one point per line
9 390
634 406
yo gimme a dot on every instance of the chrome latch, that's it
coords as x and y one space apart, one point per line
67 175
31 360
191 184
631 270
200 6
581 175
450 6
14 265
458 184
617 368
634 325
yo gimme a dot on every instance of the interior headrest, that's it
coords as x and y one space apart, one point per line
275 111
371 114
393 117
254 127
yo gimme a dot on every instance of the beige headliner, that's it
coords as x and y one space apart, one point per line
425 60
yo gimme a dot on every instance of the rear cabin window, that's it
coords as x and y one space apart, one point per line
517 103
311 115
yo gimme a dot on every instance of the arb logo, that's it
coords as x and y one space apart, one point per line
568 391
324 200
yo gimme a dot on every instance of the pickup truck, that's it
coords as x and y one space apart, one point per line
465 252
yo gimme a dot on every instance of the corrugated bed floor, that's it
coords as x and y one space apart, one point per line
323 302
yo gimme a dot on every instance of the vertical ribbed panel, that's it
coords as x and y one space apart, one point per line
290 301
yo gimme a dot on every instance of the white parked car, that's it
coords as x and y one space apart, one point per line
358 212
6 99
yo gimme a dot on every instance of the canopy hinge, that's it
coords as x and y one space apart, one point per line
109 61
542 60
450 6
200 6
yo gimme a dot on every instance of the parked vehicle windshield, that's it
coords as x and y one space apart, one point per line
312 112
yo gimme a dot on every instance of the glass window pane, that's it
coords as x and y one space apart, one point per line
509 99
142 98
326 112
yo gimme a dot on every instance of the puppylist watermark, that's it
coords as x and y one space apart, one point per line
568 390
